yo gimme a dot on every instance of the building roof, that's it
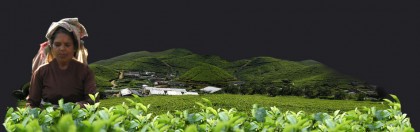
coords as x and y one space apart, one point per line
191 93
211 89
166 89
156 92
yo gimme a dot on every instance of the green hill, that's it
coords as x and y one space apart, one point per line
167 54
103 75
141 64
172 60
307 73
210 69
206 73
310 62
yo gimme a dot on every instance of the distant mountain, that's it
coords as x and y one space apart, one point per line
208 74
308 72
210 68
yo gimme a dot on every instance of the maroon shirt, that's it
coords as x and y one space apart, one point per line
51 83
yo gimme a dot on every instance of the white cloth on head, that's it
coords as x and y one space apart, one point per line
44 55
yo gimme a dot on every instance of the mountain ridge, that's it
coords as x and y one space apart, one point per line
264 69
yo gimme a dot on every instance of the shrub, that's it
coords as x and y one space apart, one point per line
134 116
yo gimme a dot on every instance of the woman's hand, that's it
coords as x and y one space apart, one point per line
28 105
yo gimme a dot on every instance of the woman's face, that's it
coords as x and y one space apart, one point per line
63 47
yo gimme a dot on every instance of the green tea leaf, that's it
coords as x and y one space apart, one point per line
191 128
49 109
15 117
92 97
9 112
60 103
208 102
395 98
96 95
68 107
34 112
329 123
212 111
291 119
130 100
260 114
135 96
66 124
223 116
104 115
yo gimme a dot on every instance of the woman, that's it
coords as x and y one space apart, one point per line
60 69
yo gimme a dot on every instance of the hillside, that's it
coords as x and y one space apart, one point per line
103 75
207 74
268 69
209 69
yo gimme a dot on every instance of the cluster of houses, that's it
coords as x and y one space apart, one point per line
140 75
146 90
156 79
163 85
167 91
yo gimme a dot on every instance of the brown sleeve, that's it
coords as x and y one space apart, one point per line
35 90
89 85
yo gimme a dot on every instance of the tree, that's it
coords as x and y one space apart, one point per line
259 89
340 95
297 91
324 91
310 92
286 87
245 90
231 89
273 91
360 96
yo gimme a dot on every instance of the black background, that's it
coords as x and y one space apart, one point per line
376 41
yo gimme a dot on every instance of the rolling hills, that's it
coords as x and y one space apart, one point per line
209 68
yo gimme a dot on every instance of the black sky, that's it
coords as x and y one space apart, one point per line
376 41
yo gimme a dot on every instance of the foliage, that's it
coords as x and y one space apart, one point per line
135 116
163 104
207 73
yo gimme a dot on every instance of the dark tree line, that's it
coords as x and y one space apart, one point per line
286 87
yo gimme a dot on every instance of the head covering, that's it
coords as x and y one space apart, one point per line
44 55
71 25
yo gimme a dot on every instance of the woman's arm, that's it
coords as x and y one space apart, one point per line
35 90
89 85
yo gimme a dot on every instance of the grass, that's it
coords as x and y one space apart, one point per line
163 104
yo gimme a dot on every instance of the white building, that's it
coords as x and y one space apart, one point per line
173 93
191 93
210 89
165 89
158 92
